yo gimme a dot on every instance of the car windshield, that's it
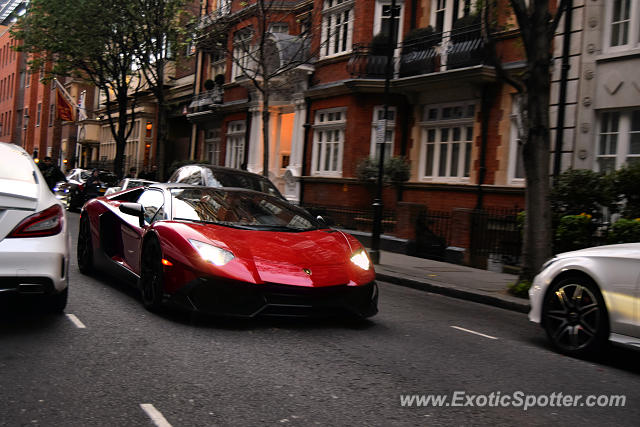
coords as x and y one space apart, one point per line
239 209
133 183
241 180
108 178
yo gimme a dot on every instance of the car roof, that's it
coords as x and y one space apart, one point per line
224 169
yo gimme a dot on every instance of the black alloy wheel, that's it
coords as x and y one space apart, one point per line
152 276
85 247
575 317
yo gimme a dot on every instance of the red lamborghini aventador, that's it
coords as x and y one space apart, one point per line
226 251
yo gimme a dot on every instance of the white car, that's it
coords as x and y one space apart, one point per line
586 297
128 183
34 238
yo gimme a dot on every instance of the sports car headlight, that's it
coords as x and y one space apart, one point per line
361 259
213 254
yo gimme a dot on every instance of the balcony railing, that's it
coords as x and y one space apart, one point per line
438 52
214 15
204 100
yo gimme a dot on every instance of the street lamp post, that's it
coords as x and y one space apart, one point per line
377 201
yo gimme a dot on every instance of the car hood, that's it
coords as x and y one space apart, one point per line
624 250
312 258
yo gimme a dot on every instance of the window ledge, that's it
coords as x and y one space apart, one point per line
618 55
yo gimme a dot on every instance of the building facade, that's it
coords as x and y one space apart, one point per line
447 111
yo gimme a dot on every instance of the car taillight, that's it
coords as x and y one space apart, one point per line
46 223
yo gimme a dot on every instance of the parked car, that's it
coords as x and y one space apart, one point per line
587 297
220 176
226 251
77 191
126 184
74 177
34 238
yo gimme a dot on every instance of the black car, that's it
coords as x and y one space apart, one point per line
78 194
220 176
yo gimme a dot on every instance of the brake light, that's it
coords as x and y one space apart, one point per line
46 223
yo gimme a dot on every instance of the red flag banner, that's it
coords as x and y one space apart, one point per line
64 110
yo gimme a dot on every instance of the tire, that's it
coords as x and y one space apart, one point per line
152 276
85 247
575 317
56 303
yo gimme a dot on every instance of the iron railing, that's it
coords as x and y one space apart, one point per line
462 47
203 100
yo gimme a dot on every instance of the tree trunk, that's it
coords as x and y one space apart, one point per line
536 150
161 125
121 136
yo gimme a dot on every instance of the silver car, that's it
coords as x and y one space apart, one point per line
34 238
128 183
588 297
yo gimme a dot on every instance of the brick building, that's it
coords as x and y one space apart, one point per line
449 114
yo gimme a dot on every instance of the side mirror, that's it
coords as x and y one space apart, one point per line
135 209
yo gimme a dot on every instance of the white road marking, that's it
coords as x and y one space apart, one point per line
474 332
76 321
155 415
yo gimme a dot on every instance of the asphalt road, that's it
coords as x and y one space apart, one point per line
110 362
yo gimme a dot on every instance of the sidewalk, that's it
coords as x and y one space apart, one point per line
453 280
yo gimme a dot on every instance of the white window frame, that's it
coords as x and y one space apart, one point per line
622 134
334 11
377 22
38 114
236 135
213 146
390 134
279 27
325 123
447 7
633 36
242 50
465 147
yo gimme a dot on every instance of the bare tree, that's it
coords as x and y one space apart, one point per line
537 27
262 57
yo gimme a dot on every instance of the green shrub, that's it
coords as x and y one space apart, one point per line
626 181
420 39
397 170
625 231
520 289
379 44
581 190
574 232
367 170
209 84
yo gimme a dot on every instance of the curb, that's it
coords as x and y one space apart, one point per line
456 293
